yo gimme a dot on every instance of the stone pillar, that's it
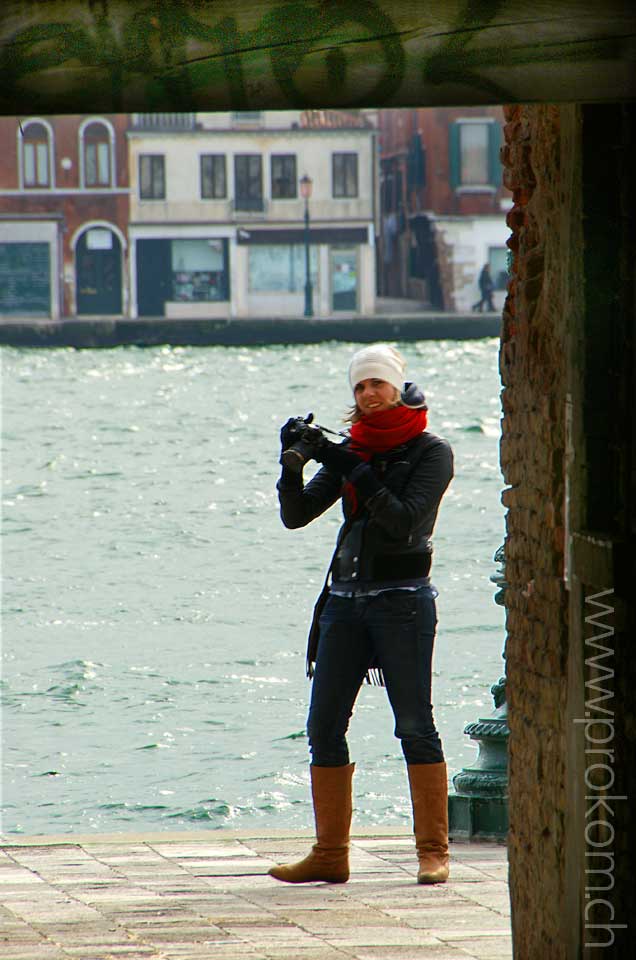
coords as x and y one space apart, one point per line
533 371
567 363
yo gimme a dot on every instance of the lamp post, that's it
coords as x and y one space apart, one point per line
306 184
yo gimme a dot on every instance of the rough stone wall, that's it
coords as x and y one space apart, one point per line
534 374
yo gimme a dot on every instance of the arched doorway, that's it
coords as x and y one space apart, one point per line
98 272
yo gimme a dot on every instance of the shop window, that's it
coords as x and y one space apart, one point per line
345 174
25 278
280 268
213 177
152 177
248 181
344 278
36 160
283 168
199 270
474 154
97 165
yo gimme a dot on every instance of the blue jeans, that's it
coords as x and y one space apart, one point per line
397 628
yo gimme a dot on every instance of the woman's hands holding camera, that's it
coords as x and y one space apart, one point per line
301 441
289 433
337 457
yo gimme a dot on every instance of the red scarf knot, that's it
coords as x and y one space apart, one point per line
379 432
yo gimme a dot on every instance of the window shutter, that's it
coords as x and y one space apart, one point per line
494 145
454 169
416 173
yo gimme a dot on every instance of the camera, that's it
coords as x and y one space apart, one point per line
305 438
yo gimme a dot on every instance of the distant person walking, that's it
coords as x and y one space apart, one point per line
486 288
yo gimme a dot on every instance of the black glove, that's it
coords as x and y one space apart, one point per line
288 433
337 457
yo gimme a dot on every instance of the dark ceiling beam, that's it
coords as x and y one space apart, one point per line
108 56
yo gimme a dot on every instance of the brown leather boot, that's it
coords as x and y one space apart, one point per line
329 857
429 796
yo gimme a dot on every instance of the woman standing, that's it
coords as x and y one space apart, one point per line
379 616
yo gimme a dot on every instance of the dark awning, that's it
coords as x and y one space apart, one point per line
348 235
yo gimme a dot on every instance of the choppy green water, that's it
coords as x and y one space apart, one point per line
155 609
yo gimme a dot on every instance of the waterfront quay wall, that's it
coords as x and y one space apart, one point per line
154 331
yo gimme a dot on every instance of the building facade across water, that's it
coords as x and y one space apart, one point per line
188 215
196 215
443 205
64 216
216 213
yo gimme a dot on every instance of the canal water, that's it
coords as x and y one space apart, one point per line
155 610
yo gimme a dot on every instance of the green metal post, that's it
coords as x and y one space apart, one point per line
479 807
309 304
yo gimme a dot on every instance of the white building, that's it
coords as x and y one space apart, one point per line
217 218
467 243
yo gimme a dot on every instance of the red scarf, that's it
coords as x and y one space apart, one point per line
379 432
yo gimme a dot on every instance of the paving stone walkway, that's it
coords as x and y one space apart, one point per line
206 895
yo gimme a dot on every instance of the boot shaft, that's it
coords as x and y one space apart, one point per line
329 857
331 792
429 795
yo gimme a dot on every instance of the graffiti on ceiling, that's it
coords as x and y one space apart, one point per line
122 55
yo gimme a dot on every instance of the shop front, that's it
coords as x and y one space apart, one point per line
275 264
29 269
182 276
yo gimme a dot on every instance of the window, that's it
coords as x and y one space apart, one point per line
152 177
280 268
25 278
199 270
248 181
97 172
474 154
35 156
345 175
250 115
284 176
213 179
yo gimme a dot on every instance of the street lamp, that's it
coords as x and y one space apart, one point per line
306 184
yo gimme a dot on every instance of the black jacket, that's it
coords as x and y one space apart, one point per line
398 494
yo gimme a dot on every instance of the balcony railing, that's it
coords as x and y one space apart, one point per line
248 205
164 122
247 116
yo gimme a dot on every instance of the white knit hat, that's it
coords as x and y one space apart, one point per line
379 361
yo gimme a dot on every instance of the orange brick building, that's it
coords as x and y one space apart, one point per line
64 203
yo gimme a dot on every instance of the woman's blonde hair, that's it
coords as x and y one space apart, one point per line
354 413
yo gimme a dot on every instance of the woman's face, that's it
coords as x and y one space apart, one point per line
373 395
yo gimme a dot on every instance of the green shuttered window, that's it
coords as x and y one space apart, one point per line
474 154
